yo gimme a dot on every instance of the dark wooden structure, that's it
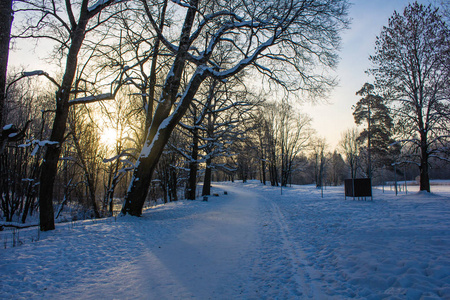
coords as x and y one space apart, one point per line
359 187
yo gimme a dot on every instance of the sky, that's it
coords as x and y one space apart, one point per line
331 119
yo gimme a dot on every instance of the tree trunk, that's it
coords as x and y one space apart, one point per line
152 79
159 133
244 171
112 184
212 116
49 170
193 167
284 171
50 163
207 181
89 177
92 196
424 168
263 171
164 187
153 148
31 191
173 184
6 18
30 195
26 208
273 174
320 176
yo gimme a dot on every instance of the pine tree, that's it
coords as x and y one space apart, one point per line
378 133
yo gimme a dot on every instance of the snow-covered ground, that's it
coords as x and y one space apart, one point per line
250 244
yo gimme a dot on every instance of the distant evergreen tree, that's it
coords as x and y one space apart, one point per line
378 133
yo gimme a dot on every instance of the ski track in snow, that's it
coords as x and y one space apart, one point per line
250 244
286 274
302 272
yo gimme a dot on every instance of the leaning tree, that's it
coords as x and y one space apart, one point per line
412 67
292 42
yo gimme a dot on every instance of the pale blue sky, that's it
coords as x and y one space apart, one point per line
368 18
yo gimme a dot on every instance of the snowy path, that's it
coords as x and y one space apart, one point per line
209 255
201 250
250 244
282 270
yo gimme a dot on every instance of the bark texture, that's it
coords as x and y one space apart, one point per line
6 18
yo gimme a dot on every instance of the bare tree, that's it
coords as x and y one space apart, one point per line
269 139
19 160
258 135
133 55
56 20
198 114
336 169
349 146
121 116
214 127
284 134
228 118
295 137
319 160
302 35
173 171
11 133
85 139
412 67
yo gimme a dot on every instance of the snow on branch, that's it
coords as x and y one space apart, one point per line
90 99
211 17
235 104
440 158
247 60
226 168
8 127
38 144
17 225
186 5
97 4
46 142
33 73
122 154
185 126
399 142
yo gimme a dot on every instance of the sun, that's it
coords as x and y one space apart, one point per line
109 137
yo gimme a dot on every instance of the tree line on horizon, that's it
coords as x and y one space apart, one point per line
202 91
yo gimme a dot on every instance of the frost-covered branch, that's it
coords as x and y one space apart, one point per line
30 74
91 99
